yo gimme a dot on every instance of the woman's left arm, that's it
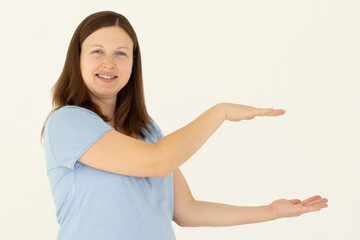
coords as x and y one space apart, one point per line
189 212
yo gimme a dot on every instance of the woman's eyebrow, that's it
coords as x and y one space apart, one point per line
98 45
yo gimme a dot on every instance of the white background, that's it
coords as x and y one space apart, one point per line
302 56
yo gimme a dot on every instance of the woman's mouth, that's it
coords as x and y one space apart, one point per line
106 78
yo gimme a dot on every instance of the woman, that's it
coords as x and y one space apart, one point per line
113 174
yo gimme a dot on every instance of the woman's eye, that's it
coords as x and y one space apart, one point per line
97 51
121 53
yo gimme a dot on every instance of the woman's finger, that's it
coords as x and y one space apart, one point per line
317 201
277 112
269 112
311 208
313 198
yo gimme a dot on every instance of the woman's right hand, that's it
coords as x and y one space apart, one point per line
237 112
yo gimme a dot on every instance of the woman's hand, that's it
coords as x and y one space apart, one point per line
237 112
292 208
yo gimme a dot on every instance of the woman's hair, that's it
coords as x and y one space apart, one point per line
70 89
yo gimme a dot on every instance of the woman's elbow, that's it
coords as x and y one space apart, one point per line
163 168
163 165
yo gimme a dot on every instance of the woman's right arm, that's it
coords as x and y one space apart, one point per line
118 153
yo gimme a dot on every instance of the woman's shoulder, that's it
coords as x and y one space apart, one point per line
73 115
70 111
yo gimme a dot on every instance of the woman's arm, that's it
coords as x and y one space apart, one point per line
117 153
179 146
189 212
201 213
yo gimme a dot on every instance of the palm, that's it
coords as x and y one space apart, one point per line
295 207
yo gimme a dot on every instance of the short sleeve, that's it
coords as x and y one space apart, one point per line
71 131
159 134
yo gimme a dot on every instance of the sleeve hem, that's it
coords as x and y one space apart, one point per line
73 161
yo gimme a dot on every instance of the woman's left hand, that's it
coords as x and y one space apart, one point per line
292 208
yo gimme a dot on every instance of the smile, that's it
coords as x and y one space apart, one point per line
105 76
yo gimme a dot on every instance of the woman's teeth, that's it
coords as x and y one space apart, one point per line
106 77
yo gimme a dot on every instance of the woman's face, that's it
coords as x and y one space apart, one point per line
106 61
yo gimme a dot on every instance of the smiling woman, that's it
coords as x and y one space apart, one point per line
106 64
107 44
112 172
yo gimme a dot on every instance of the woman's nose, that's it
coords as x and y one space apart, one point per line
108 63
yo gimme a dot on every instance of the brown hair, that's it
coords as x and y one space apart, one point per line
70 89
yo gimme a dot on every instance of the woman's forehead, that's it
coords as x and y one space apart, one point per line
113 36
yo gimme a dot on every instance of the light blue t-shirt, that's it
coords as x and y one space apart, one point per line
92 204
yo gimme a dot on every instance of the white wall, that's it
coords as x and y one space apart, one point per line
302 56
